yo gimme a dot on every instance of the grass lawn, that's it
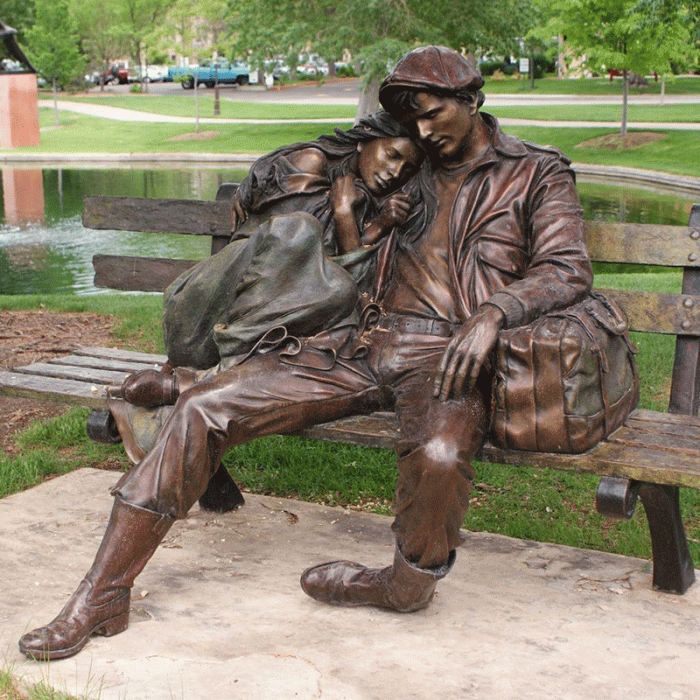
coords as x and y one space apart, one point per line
678 152
680 85
600 113
184 106
82 134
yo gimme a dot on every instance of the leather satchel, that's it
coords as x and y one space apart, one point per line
567 380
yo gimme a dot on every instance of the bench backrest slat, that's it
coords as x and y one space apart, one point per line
654 312
646 244
192 216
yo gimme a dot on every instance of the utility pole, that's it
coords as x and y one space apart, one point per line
217 110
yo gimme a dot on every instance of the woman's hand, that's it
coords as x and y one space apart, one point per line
238 214
394 211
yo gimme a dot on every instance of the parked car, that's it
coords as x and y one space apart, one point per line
209 72
153 74
314 65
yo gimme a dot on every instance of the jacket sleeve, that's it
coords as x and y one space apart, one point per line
559 271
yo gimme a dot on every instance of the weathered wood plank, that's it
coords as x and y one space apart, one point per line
186 216
375 430
647 244
611 459
653 312
674 465
126 355
51 389
89 362
80 374
137 274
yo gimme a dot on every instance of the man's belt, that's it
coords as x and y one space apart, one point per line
416 325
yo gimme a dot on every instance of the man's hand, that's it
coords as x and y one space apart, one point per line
466 353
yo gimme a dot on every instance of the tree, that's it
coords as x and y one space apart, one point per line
102 40
375 32
53 46
618 34
139 20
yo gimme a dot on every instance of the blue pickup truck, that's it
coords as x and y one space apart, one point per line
209 72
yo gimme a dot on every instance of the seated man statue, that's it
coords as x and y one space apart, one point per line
504 244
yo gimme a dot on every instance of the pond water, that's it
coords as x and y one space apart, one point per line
45 249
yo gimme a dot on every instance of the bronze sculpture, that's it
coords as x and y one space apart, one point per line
503 244
7 34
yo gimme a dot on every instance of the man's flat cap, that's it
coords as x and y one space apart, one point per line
432 68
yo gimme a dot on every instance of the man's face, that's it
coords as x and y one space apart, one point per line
444 126
385 164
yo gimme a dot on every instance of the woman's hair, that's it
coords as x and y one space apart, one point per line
341 147
340 150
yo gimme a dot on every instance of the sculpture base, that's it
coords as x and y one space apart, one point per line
19 110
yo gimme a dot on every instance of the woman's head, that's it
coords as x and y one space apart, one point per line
385 164
378 149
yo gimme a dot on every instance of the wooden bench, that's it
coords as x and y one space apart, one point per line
650 457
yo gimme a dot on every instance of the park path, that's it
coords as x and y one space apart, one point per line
130 115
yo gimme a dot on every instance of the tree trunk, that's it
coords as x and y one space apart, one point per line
369 100
663 90
56 120
625 94
196 102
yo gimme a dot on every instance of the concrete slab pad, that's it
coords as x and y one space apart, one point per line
218 613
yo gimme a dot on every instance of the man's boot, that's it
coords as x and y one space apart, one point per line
100 605
402 586
151 388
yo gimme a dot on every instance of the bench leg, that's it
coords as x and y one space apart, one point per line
222 494
673 567
101 427
616 498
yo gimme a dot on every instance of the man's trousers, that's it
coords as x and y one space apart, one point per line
281 392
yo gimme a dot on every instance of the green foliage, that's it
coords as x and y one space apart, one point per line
52 43
621 34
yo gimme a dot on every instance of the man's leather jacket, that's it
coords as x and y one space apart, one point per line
517 233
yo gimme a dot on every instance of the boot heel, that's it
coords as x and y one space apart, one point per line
114 625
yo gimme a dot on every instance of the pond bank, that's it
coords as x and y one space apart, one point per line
653 178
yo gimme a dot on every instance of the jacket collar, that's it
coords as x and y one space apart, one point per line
504 144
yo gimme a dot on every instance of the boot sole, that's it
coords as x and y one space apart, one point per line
108 628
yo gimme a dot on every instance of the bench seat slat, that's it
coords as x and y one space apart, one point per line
79 374
103 363
52 389
127 355
639 453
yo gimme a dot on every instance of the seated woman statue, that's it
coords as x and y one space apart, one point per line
308 222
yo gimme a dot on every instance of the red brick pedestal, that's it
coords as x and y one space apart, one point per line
19 110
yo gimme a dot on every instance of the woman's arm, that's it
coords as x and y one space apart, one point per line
268 178
344 198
